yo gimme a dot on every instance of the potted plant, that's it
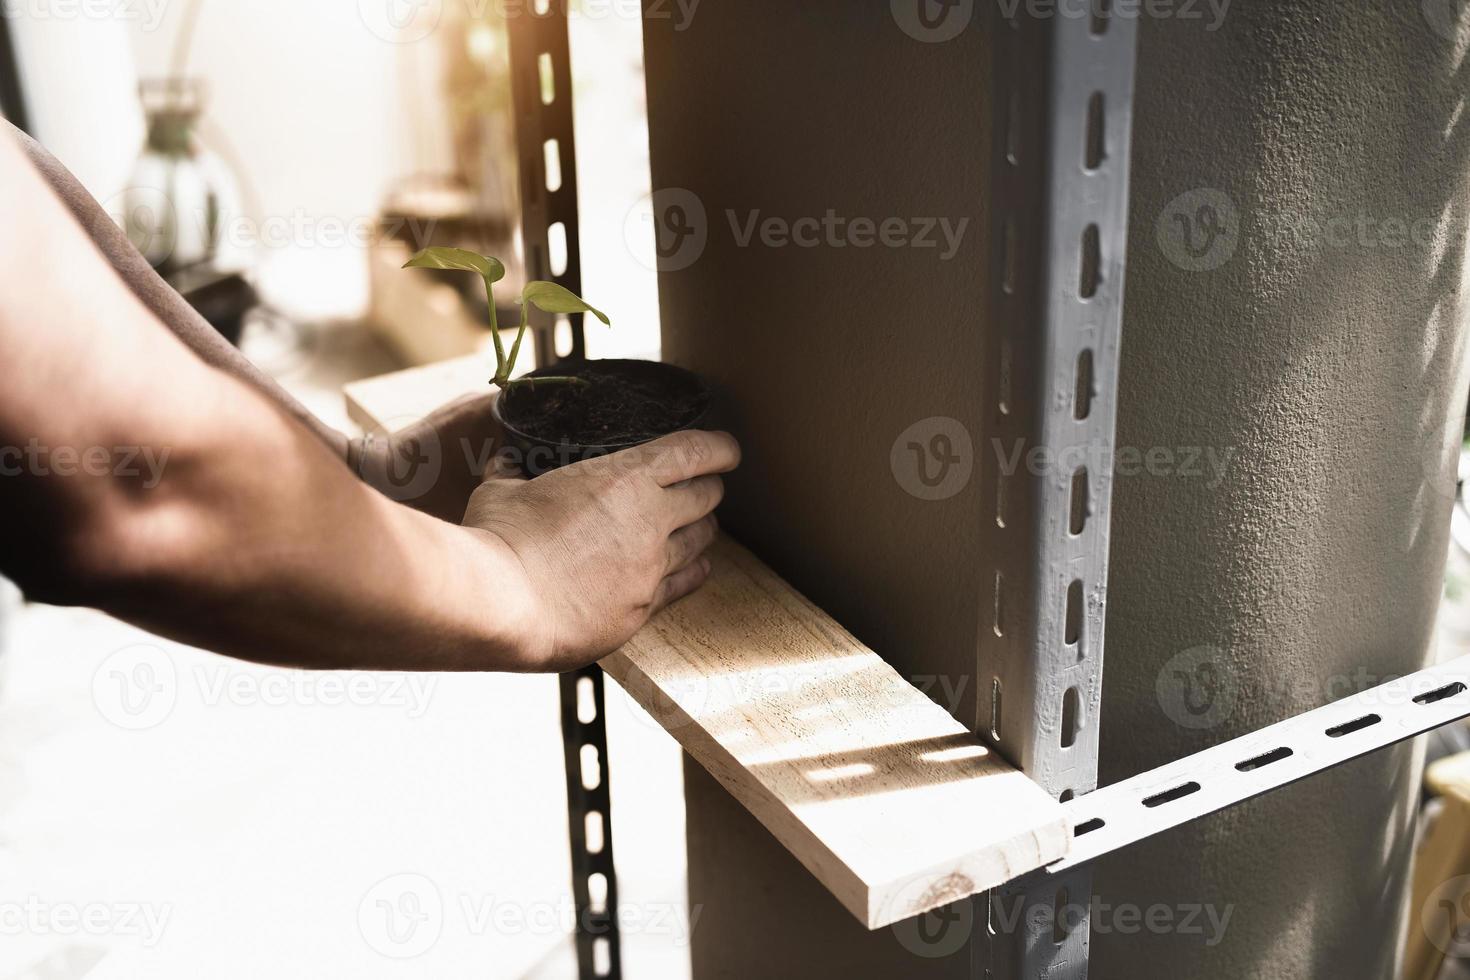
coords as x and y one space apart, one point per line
575 410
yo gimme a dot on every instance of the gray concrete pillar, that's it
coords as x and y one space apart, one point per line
1313 338
1294 313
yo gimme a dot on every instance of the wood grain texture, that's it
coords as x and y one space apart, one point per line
884 797
887 800
394 401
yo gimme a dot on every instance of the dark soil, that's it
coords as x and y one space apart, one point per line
622 403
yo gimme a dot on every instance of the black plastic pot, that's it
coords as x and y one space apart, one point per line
540 452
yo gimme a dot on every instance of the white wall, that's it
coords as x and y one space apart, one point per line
318 108
79 87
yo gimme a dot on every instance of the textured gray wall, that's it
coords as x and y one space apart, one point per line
1327 358
1321 363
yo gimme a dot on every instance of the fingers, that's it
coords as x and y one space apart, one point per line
676 585
688 543
685 455
687 502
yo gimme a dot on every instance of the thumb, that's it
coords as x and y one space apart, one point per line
504 465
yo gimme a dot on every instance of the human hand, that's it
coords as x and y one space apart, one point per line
436 463
605 543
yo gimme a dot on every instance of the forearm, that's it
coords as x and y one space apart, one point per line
255 543
245 534
158 297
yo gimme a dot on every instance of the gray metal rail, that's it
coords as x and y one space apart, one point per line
1061 102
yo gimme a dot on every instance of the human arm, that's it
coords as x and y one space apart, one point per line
370 457
251 538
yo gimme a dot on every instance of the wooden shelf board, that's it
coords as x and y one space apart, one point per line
892 804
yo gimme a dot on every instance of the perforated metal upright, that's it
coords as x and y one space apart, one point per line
1061 96
541 90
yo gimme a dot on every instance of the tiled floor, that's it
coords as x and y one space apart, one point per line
167 813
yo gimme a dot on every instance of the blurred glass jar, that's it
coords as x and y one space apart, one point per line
173 208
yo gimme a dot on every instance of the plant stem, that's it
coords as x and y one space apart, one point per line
502 366
545 379
515 348
184 41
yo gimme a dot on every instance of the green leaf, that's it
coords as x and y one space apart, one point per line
552 298
459 259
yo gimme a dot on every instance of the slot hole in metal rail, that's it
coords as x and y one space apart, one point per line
1093 157
1073 634
1170 795
995 710
562 337
551 150
1003 401
1078 517
1101 11
999 623
1013 129
548 79
1091 272
1071 709
1009 245
1059 917
586 701
1440 693
1264 759
1082 404
1356 725
1088 826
